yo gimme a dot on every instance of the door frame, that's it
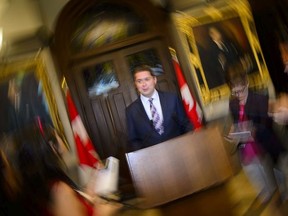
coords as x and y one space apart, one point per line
125 80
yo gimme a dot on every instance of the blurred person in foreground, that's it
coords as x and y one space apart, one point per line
45 187
279 110
261 149
9 189
171 120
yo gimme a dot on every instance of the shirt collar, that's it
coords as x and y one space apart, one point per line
155 95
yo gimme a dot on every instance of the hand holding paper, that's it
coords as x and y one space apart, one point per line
241 132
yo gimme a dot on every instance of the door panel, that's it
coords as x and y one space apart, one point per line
163 85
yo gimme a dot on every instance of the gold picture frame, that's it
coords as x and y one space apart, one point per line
236 21
26 96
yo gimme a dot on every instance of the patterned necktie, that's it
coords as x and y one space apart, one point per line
157 123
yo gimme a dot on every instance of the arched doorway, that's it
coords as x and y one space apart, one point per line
97 55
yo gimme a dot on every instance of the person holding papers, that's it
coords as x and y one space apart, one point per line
259 147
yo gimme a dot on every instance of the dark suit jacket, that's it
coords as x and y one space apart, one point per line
256 110
141 132
215 72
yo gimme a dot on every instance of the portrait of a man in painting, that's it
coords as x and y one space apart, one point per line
222 43
22 101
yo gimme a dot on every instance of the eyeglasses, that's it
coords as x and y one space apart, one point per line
147 79
240 91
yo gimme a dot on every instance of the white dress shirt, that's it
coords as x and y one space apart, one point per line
156 102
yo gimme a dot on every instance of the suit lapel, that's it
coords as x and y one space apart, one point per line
250 104
164 105
141 111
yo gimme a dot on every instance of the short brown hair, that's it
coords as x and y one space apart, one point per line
143 68
236 74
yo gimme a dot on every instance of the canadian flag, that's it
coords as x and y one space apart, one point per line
191 107
87 156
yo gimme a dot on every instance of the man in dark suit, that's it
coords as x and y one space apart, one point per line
142 129
222 51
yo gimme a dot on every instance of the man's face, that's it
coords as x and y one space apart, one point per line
215 34
145 83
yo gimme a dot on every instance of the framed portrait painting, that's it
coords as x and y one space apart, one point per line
220 43
213 41
26 97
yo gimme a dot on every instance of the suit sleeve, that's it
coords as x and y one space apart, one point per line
184 122
133 142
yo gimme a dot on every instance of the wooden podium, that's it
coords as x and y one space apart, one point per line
179 167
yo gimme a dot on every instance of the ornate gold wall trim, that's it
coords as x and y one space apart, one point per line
233 16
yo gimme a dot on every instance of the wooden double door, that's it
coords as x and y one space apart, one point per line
104 86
